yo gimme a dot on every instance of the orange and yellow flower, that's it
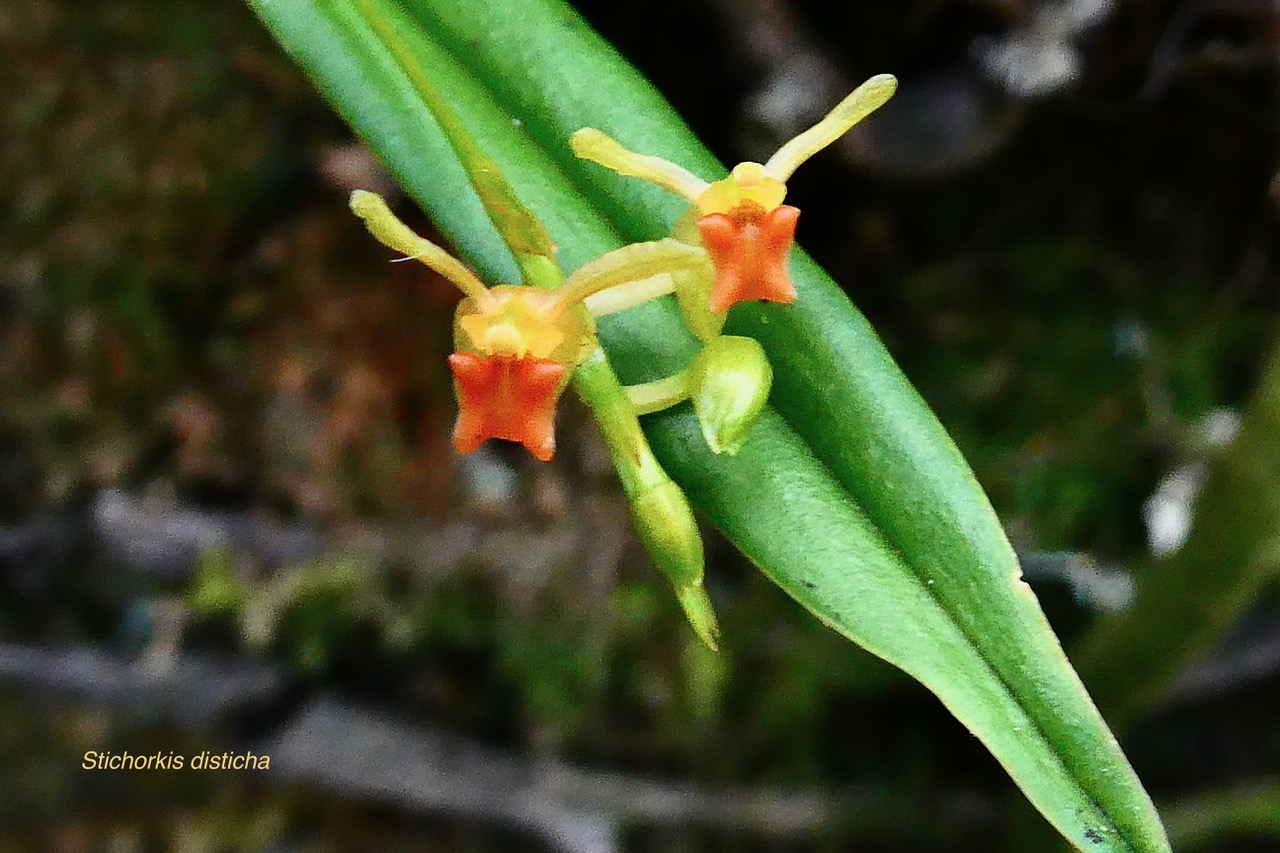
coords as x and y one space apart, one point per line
741 220
517 346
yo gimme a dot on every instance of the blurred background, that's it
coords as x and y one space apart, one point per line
231 519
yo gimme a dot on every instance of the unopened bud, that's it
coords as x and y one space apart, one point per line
665 522
730 381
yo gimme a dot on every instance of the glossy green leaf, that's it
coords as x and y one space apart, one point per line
849 495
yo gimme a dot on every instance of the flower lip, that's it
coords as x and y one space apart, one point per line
749 252
508 398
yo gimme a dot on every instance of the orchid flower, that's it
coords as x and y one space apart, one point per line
741 220
517 346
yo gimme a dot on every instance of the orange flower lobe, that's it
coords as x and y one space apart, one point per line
506 397
748 249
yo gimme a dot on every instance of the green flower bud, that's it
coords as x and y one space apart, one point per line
729 382
664 520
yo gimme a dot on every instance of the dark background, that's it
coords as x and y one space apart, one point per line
230 517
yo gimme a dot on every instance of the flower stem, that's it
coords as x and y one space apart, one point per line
659 394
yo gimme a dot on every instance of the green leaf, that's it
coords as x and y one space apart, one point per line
850 495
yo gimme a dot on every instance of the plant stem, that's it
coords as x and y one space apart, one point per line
659 394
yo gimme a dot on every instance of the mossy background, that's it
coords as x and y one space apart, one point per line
193 327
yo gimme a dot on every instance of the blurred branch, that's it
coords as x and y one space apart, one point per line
161 541
1095 586
187 689
1186 602
1175 53
1245 658
942 122
1252 809
372 756
1038 57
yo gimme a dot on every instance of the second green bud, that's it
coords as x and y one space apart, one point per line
729 384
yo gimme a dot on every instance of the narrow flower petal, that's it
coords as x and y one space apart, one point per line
749 254
598 147
634 262
508 398
394 234
629 295
862 102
